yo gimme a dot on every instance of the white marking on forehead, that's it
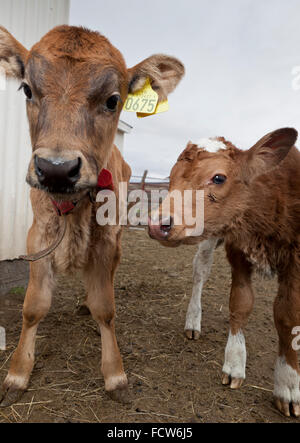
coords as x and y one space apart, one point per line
211 144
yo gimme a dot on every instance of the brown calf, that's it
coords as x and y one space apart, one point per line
75 82
252 201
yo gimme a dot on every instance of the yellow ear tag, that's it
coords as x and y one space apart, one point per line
161 107
144 100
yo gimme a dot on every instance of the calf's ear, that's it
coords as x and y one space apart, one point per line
12 55
163 71
189 153
269 151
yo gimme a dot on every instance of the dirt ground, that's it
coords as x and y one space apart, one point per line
171 378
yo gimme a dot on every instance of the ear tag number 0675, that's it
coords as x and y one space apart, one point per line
144 100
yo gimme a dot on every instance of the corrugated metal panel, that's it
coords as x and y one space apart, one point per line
28 20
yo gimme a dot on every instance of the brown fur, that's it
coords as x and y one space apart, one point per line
72 72
257 212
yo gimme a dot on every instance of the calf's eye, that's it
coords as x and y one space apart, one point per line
112 102
219 179
27 90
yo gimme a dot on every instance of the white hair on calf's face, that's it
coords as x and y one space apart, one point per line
211 144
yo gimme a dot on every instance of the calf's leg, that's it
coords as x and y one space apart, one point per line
201 270
36 305
287 373
100 300
240 306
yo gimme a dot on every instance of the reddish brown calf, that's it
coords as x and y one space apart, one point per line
252 201
75 83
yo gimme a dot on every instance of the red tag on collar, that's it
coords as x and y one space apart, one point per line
105 180
63 207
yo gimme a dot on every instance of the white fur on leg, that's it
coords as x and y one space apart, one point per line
115 382
286 382
235 356
16 381
194 312
201 269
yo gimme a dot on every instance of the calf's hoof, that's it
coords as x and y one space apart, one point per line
192 334
10 395
121 395
234 382
287 408
12 389
117 388
286 388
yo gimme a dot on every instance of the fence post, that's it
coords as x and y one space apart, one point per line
144 180
143 189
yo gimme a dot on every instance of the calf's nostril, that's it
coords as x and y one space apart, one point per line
74 171
166 225
38 170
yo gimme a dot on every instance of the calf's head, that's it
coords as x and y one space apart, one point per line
75 83
225 175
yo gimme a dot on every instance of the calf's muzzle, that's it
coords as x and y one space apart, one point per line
161 229
57 175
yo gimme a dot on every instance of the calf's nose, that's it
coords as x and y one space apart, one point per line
56 174
161 230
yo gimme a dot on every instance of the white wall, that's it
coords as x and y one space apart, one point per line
119 140
28 20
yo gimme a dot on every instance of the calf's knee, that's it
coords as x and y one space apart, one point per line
103 315
32 315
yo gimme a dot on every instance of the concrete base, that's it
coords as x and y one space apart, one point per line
13 274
